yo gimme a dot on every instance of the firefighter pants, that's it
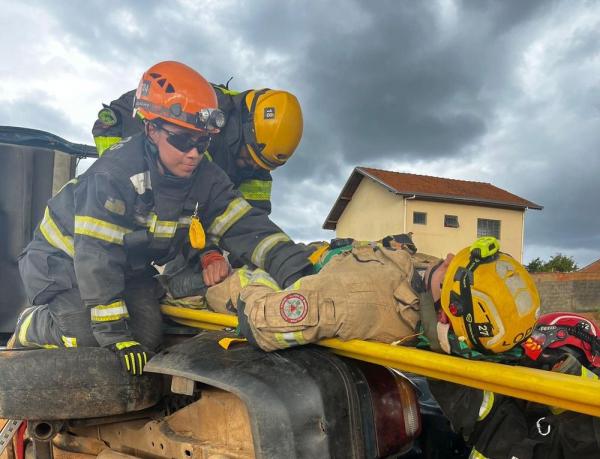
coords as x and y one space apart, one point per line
58 317
363 294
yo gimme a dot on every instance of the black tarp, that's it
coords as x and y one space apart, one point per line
26 173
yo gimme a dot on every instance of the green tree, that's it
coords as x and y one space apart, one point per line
536 265
559 263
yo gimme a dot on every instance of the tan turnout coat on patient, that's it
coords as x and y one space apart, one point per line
363 294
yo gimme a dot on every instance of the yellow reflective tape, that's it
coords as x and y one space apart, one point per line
281 340
126 357
256 190
258 276
69 341
299 337
486 405
23 330
208 156
263 247
295 285
244 274
164 228
235 210
54 236
108 312
103 143
476 455
100 229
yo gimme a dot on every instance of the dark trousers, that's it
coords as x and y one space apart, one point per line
58 315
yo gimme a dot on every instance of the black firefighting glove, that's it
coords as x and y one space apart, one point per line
132 355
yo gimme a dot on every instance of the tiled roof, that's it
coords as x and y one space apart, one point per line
591 268
429 188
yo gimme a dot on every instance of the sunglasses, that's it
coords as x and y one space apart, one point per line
184 142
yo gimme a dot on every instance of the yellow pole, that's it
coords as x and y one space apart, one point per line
555 389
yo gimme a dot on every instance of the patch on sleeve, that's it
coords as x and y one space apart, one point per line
107 117
293 308
116 206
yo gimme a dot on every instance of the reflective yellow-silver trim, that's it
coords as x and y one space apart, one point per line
263 247
100 229
23 327
69 341
256 190
109 312
260 277
486 405
141 182
162 228
290 339
235 210
54 236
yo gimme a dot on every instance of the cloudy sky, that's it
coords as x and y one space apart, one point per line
506 92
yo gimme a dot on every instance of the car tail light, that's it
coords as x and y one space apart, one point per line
395 409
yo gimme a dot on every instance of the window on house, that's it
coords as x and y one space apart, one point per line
451 221
420 218
487 227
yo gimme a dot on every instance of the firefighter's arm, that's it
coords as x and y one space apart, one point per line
109 127
250 235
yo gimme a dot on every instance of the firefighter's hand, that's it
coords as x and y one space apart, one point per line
132 355
215 268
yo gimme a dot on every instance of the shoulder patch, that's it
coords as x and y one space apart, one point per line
116 206
293 308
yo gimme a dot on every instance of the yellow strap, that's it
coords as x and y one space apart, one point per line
226 343
316 255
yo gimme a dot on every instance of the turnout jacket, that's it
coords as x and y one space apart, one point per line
115 122
501 427
121 215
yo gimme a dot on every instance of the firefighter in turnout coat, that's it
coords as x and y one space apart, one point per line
88 270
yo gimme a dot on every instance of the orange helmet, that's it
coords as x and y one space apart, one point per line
176 93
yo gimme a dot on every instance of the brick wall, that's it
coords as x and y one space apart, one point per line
576 292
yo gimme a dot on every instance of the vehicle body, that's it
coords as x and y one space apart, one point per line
199 399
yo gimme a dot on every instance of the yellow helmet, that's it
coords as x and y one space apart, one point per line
489 297
273 127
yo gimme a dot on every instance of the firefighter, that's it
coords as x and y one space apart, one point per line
88 271
372 292
261 132
498 426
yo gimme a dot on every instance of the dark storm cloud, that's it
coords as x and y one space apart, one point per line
32 114
507 85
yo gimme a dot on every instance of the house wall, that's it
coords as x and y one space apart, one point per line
374 212
435 239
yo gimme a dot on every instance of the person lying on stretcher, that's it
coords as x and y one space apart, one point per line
478 303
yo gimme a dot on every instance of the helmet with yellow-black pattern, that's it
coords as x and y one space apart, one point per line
490 299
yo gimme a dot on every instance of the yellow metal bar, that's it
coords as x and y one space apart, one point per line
555 389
